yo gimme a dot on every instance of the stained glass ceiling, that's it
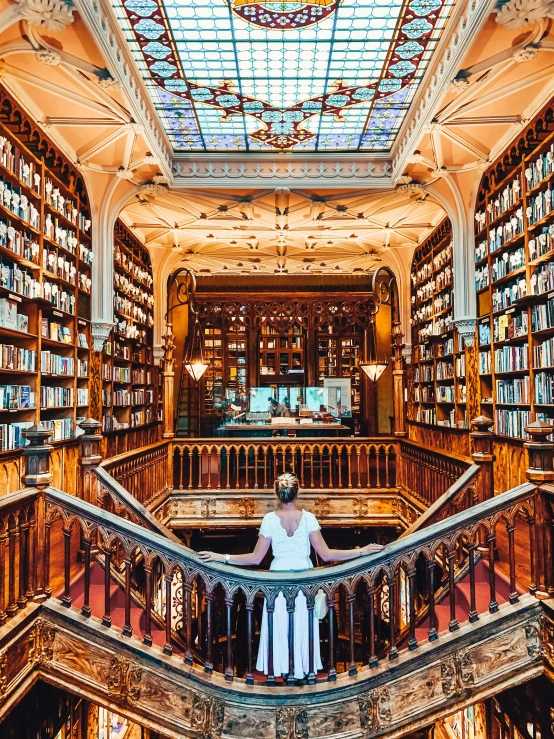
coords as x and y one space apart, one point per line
310 75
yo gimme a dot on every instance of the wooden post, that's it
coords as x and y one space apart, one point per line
90 458
168 380
37 474
541 470
398 380
482 454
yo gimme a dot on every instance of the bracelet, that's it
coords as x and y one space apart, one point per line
227 558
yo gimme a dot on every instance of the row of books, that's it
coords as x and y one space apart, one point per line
506 264
60 297
14 160
424 374
540 168
505 232
513 391
504 200
56 397
19 280
510 326
55 331
506 295
542 244
121 374
17 202
445 370
544 388
55 364
542 316
511 422
16 358
543 354
511 358
539 206
445 394
132 397
20 242
542 279
485 364
11 435
16 397
66 206
461 366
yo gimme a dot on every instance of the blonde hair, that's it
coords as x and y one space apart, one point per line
286 487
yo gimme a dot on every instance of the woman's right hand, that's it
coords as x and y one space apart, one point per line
211 557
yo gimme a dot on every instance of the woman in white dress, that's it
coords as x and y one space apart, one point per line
291 532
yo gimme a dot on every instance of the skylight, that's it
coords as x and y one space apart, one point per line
311 75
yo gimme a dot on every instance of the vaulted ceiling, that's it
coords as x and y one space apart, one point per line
283 231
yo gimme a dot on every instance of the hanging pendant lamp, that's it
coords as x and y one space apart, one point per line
372 366
194 361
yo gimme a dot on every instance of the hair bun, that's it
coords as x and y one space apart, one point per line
286 487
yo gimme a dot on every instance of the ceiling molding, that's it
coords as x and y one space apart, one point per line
105 31
440 74
258 172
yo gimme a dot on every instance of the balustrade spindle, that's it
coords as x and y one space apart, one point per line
513 597
372 659
332 674
32 550
534 556
148 574
250 627
291 608
181 467
187 592
66 599
127 628
23 563
412 641
393 651
106 618
208 664
352 668
491 540
311 630
3 542
270 608
46 560
86 610
453 624
472 615
168 647
229 669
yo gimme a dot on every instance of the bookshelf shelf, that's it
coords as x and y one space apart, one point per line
438 365
131 342
520 321
44 267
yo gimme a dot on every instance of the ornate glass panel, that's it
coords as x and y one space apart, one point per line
309 75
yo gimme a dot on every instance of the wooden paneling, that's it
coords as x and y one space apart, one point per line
444 439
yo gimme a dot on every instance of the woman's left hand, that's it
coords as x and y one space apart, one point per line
372 548
211 557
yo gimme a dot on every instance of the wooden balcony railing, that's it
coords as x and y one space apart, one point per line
384 592
204 464
142 472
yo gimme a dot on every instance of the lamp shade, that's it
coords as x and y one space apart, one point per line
196 369
374 369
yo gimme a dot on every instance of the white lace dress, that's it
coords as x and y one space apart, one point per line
290 553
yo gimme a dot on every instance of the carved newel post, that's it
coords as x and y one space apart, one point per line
37 475
541 470
168 428
482 454
398 380
37 457
91 456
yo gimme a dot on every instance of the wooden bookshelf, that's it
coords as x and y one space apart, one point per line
45 283
130 386
514 268
439 390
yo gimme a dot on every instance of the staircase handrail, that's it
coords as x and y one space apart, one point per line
125 498
176 553
441 507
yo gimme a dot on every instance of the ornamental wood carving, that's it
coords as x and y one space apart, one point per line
291 722
246 508
124 680
457 674
207 716
375 711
